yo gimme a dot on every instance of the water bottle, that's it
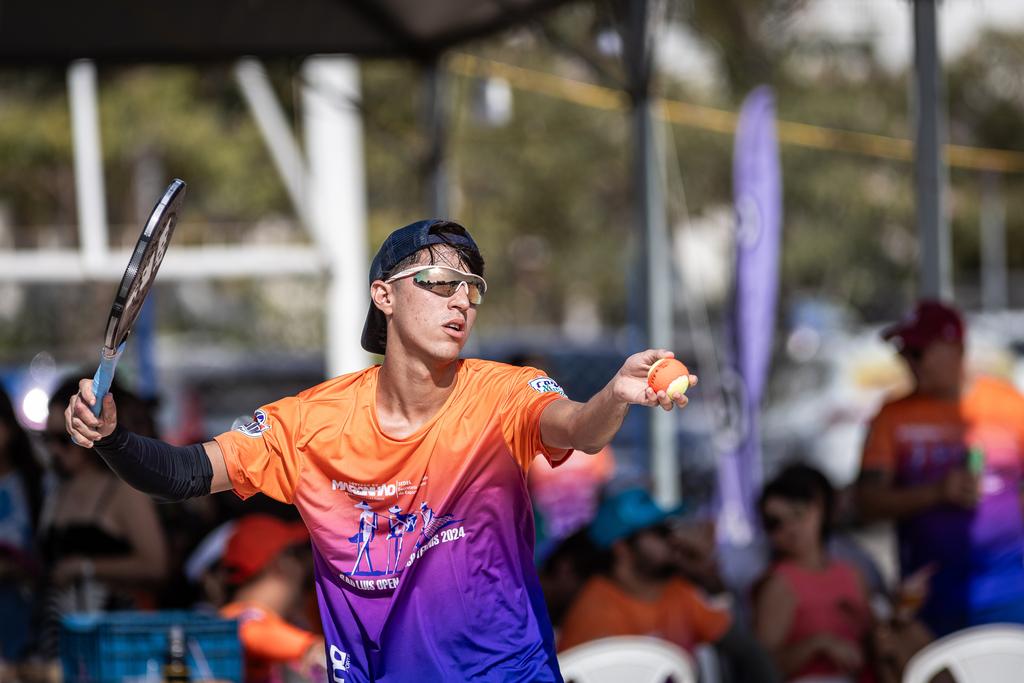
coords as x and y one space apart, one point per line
175 667
976 460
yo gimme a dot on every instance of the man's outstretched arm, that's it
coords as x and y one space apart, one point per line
590 426
149 465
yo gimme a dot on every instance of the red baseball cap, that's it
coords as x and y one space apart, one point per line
256 541
930 321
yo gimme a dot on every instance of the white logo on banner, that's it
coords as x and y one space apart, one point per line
749 225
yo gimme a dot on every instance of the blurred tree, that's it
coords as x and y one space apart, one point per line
986 98
547 191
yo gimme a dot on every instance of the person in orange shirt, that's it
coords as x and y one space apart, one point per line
450 439
639 591
265 571
945 462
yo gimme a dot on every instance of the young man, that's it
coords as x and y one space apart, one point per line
945 463
447 439
639 591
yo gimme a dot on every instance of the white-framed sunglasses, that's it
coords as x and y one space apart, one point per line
444 281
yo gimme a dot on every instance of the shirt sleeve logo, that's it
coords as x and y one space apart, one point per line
257 426
546 385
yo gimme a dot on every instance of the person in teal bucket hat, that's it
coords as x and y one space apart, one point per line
622 515
640 591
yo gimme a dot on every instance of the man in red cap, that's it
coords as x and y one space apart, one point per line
265 569
945 463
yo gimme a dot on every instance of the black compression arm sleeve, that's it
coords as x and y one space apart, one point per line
171 473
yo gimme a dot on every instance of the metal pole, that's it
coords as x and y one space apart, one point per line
648 170
89 188
932 223
337 201
435 123
994 276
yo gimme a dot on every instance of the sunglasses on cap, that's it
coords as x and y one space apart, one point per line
444 281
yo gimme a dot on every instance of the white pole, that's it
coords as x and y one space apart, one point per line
277 133
664 454
337 201
89 189
182 263
994 275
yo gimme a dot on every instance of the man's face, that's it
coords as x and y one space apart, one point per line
423 322
939 369
793 527
652 554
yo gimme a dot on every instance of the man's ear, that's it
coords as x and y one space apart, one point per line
382 296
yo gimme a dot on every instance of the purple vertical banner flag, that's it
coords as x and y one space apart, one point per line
757 190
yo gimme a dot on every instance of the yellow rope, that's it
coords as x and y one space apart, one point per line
724 121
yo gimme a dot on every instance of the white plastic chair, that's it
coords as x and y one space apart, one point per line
982 654
636 659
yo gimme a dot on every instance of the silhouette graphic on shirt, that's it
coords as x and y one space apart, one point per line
399 524
362 538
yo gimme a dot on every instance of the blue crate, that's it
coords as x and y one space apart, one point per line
112 647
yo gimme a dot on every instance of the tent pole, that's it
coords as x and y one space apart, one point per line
337 201
651 218
88 159
435 124
930 167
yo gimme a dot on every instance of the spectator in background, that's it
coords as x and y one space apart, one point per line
639 591
696 553
945 463
266 565
564 572
21 502
811 611
102 540
204 567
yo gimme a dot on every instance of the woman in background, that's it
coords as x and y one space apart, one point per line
21 502
811 610
102 539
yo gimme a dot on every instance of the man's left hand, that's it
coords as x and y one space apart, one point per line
630 382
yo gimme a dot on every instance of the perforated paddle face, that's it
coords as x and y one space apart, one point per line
142 266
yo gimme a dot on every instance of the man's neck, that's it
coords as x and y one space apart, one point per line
951 394
410 392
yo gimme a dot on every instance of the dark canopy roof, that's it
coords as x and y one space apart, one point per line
37 31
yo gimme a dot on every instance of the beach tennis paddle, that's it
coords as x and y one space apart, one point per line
138 278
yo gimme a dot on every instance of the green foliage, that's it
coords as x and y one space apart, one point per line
548 193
